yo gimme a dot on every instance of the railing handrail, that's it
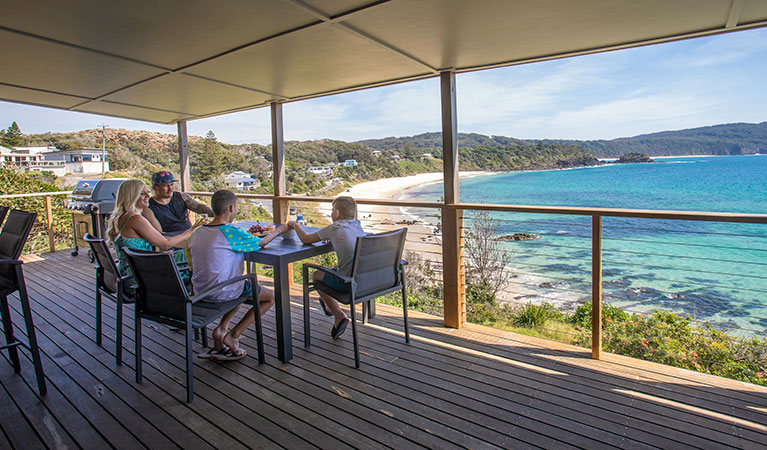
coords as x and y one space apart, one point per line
564 210
35 194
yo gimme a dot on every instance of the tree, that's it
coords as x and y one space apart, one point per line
486 259
13 136
210 158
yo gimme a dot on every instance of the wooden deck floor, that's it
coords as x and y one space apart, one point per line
471 388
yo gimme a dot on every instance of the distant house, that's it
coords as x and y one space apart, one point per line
83 161
396 156
238 174
240 180
31 158
427 155
376 153
350 162
323 171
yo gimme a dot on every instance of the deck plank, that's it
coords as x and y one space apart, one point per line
471 388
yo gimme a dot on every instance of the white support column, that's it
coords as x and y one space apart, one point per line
183 153
279 208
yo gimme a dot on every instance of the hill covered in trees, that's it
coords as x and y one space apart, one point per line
141 153
726 139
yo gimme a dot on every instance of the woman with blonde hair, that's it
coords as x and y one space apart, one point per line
127 226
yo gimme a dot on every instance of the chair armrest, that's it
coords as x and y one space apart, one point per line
11 262
201 295
332 272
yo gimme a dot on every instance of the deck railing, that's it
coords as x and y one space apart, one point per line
48 215
436 245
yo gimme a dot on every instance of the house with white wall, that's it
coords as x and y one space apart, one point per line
85 161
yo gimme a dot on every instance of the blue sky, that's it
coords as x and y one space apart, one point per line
684 84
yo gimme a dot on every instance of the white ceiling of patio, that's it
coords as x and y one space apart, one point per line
163 61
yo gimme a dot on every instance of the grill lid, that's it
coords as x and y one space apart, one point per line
97 190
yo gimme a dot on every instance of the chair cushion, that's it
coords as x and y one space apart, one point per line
344 297
204 312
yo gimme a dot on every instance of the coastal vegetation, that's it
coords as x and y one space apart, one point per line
630 158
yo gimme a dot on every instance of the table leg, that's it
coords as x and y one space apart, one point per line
282 309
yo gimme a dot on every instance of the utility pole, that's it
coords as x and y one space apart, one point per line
103 147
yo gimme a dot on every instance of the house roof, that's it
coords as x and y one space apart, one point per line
170 61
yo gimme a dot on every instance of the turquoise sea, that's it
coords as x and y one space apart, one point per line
715 272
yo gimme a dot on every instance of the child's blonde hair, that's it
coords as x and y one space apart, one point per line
125 203
346 207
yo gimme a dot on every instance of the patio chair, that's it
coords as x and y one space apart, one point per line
3 212
162 297
12 239
118 288
377 270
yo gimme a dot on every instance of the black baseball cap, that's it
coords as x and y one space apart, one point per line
163 177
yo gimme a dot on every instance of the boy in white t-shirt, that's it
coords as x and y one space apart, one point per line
342 234
217 251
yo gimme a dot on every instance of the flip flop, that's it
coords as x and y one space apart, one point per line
231 355
324 309
212 353
337 331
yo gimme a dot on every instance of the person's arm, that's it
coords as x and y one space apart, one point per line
141 226
194 205
149 215
306 238
269 237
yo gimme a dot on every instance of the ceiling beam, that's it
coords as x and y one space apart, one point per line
735 10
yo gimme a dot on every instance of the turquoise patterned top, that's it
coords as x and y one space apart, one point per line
240 240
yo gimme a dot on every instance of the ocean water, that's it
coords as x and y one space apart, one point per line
714 272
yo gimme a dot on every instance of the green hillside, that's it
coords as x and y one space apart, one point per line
726 139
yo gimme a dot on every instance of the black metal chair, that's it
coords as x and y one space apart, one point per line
113 285
12 239
162 297
117 287
378 269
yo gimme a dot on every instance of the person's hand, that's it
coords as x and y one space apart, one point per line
292 225
282 228
198 224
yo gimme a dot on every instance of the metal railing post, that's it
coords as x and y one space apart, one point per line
596 286
49 223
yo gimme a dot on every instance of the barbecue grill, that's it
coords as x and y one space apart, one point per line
91 203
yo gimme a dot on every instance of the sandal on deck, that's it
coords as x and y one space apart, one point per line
337 331
212 353
230 355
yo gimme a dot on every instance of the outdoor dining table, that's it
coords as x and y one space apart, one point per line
279 254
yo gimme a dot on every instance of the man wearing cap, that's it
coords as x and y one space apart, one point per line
170 207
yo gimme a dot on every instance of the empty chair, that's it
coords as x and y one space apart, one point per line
12 239
378 269
161 296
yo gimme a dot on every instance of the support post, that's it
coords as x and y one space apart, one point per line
280 208
596 286
49 223
183 153
452 219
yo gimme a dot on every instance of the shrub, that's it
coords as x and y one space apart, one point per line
533 316
610 313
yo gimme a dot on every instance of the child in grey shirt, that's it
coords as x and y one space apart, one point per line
342 234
